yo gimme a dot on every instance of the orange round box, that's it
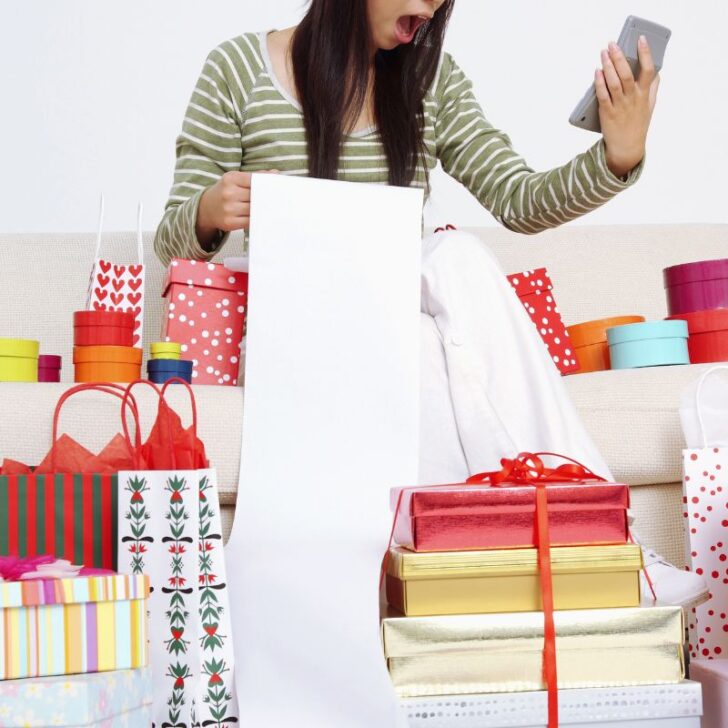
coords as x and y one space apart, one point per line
590 341
107 363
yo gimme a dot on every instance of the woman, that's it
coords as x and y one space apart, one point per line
361 91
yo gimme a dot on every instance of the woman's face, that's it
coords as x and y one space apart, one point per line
395 22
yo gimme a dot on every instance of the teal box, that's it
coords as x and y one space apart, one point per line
649 344
121 699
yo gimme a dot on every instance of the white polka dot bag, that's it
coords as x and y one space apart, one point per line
115 286
205 313
705 480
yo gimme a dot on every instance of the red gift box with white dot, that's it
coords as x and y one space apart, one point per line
205 313
535 290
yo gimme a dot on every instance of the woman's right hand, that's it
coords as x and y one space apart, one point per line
224 206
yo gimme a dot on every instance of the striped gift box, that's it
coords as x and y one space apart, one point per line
76 625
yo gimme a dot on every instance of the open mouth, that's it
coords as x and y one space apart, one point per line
407 26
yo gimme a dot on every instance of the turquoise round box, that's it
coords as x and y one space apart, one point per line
650 344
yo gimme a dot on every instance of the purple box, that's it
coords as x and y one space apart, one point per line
49 368
697 286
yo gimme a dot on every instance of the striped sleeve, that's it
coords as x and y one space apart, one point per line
482 158
208 146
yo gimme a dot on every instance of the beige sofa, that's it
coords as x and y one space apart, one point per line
597 272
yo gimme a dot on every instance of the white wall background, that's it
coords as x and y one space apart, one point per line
94 94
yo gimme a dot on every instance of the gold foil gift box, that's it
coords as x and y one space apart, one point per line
475 582
494 653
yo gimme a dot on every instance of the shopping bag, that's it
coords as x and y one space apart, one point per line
117 287
67 506
170 529
705 482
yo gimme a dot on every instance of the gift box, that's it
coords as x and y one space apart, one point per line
77 625
49 368
590 341
476 582
110 699
107 363
713 676
650 344
650 706
470 517
166 350
205 313
708 335
19 360
161 370
103 328
495 653
535 290
696 286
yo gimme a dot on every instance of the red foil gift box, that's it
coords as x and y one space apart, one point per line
205 313
472 517
535 290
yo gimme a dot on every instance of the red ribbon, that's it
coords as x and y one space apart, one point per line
529 470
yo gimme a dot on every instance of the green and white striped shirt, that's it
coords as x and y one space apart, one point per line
241 118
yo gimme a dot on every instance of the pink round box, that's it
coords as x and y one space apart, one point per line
49 368
700 286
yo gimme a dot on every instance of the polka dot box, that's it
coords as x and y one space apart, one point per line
205 313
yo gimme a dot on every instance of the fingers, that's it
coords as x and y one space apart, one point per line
621 66
605 100
648 72
614 84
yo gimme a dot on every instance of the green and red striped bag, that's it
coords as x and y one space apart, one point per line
73 516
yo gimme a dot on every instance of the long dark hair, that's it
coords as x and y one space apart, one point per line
332 64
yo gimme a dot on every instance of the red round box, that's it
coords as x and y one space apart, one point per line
103 328
49 368
708 330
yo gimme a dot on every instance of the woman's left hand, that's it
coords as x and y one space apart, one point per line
626 106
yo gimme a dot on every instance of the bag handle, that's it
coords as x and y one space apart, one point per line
193 403
140 241
100 228
128 401
698 400
109 388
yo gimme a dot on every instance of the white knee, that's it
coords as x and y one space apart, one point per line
459 251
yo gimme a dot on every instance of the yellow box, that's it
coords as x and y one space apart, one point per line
19 360
477 582
495 653
166 350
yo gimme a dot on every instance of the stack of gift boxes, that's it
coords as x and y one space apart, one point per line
73 646
21 361
103 349
694 332
464 628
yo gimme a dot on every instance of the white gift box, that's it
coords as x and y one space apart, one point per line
117 699
658 706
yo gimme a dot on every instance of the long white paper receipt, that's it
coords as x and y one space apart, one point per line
330 424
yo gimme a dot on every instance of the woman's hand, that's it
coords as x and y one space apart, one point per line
626 106
224 206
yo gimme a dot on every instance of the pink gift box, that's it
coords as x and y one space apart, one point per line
205 313
713 676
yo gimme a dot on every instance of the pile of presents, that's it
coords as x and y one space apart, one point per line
140 634
523 579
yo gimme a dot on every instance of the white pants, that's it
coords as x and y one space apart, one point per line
489 387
